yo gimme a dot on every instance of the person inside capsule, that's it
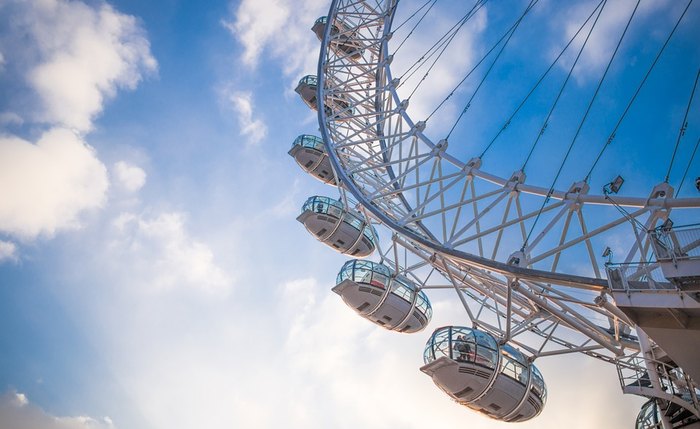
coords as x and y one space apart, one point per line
462 348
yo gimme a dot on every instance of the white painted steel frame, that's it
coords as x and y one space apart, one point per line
385 161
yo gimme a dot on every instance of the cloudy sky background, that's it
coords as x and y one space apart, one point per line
152 273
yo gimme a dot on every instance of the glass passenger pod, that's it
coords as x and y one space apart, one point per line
343 40
310 153
306 88
649 416
475 371
337 107
342 229
377 294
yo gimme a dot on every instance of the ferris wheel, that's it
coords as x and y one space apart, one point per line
521 249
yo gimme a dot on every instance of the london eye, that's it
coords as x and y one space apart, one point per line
512 176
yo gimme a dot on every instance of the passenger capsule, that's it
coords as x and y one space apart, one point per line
475 371
649 416
342 229
310 153
377 294
343 40
336 107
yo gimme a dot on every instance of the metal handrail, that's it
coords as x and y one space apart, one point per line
669 383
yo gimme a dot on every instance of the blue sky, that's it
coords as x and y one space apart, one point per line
152 273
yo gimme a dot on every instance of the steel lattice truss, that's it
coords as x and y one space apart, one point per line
453 217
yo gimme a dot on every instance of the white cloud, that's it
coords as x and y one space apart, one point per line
162 255
8 251
254 129
46 185
606 34
18 399
74 57
459 58
10 118
79 56
130 177
283 27
17 413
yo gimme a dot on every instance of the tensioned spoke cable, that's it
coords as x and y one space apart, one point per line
597 90
690 161
442 40
473 12
684 126
611 137
544 126
416 25
561 91
483 58
585 115
539 81
493 63
405 21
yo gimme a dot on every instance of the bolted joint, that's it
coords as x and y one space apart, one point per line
662 190
440 148
515 179
474 163
579 188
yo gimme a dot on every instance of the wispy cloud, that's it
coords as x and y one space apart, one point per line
605 35
8 251
130 177
17 412
254 129
10 118
163 255
280 27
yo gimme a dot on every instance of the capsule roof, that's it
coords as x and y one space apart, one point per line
309 79
497 380
333 224
312 142
397 304
336 105
382 276
344 40
310 153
